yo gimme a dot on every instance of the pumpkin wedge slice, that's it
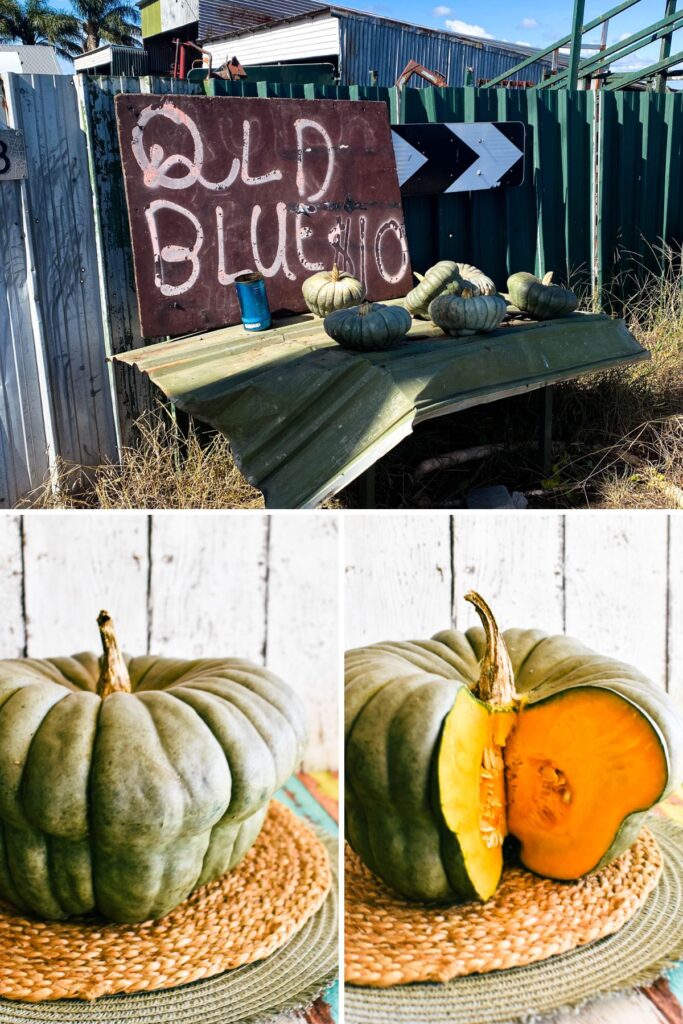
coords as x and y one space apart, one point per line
470 769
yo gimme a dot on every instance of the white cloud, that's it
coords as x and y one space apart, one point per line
529 23
441 12
524 42
454 25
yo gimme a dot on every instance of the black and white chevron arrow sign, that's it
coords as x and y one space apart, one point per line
436 158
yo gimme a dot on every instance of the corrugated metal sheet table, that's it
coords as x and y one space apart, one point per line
305 417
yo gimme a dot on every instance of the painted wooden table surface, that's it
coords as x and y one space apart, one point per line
314 796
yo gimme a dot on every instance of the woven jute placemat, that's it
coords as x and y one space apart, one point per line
640 951
241 918
390 941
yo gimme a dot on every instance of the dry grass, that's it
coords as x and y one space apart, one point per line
166 469
618 440
618 436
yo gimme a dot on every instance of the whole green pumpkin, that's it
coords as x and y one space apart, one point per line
331 289
465 314
446 278
589 744
369 326
540 298
126 783
475 280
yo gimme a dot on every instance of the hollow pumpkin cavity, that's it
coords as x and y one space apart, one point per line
576 766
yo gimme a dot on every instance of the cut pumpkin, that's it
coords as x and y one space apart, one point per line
456 742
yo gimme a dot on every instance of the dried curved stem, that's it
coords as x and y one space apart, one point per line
114 676
496 682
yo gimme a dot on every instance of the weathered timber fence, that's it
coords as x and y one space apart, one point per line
197 585
601 193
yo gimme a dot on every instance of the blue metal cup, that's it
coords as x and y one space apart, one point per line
251 295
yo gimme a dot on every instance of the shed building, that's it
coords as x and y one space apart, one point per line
366 48
29 60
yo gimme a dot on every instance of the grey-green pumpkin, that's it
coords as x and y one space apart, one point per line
442 734
539 297
369 326
467 314
126 783
445 278
474 279
331 289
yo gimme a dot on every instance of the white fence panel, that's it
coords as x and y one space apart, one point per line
51 321
190 585
613 580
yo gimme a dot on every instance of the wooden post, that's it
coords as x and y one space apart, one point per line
575 45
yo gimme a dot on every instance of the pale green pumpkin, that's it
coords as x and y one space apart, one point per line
126 783
331 289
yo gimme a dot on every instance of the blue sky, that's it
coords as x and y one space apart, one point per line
532 22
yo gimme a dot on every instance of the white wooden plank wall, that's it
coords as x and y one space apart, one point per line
613 580
182 585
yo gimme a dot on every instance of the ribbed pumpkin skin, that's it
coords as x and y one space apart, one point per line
473 278
323 292
397 696
460 317
442 277
379 328
126 805
445 278
540 300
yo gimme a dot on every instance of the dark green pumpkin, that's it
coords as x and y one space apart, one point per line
126 786
369 326
398 699
540 298
467 314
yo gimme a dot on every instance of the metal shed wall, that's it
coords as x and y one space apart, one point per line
385 46
302 40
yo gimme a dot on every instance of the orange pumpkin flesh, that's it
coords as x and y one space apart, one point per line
561 775
577 765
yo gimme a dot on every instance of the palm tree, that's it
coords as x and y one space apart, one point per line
34 23
111 21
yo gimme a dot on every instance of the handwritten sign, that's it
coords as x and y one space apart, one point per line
217 186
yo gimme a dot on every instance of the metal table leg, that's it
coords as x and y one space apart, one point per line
366 488
545 435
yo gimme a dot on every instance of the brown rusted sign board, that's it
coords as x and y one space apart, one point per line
217 186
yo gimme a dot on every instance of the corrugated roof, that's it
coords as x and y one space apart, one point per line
218 18
305 417
514 49
35 60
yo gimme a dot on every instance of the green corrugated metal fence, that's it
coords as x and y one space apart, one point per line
631 192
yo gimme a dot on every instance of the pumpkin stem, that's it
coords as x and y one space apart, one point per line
364 308
114 676
335 272
466 293
548 278
420 277
496 682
